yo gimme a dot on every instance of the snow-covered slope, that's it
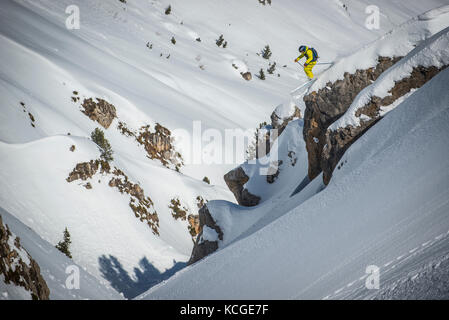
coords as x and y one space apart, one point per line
236 221
108 58
123 54
321 249
100 220
55 268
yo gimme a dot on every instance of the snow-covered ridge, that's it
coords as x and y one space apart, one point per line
397 43
432 52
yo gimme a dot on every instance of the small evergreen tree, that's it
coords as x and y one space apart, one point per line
206 180
225 44
105 148
173 40
272 68
266 52
168 10
64 245
261 75
220 41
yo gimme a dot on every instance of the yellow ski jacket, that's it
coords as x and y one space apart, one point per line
308 54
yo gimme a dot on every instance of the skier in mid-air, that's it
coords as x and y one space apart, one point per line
312 57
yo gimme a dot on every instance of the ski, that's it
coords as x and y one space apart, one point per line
304 85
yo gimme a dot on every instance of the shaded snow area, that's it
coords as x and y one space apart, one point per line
321 249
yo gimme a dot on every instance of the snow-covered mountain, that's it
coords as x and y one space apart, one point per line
145 77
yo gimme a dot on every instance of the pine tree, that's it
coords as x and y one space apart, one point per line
272 68
206 180
64 245
173 40
261 75
220 41
105 148
266 52
168 10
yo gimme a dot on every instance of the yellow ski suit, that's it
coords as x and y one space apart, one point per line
308 66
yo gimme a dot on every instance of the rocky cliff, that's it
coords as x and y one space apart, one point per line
18 267
204 247
329 103
336 142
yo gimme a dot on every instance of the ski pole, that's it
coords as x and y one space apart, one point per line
300 64
325 63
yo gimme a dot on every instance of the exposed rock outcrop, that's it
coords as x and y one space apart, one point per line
18 267
203 248
194 225
247 76
85 170
177 210
280 118
157 144
141 205
273 171
329 103
337 142
235 180
101 111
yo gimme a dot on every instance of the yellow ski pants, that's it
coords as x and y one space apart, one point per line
308 69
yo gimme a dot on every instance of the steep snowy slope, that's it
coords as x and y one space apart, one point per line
288 158
100 220
123 54
54 269
108 57
321 249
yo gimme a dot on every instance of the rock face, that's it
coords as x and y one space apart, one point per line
141 205
86 170
15 270
194 225
203 248
280 121
157 144
247 76
329 103
235 180
337 142
100 111
273 171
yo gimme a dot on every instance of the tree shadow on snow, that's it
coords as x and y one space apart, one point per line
145 275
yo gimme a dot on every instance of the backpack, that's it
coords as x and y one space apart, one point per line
315 55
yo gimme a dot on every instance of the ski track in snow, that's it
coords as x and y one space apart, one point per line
387 267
